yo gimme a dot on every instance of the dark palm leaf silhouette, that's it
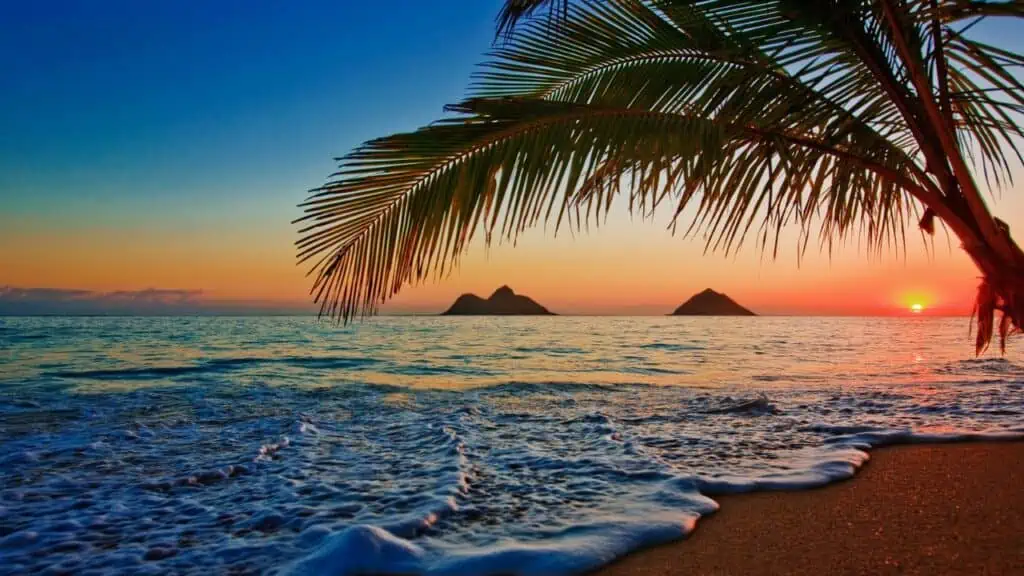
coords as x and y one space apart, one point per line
845 118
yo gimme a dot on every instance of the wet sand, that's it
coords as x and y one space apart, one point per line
926 509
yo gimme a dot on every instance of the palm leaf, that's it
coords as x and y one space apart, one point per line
841 117
406 205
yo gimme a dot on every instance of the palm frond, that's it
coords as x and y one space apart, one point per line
515 10
840 117
950 11
405 206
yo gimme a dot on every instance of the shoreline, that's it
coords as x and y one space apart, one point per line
948 508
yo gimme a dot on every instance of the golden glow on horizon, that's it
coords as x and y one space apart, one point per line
918 300
622 268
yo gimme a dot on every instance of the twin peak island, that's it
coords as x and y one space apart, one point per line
505 302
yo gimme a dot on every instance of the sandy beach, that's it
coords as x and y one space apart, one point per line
925 509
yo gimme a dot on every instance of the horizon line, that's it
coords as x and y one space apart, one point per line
442 315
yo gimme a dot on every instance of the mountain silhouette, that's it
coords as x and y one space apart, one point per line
711 303
504 302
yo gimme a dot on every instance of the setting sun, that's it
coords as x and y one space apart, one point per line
916 308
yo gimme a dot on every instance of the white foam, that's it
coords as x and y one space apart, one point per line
810 470
370 550
361 550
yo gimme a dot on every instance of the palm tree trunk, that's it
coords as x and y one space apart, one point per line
1001 289
986 239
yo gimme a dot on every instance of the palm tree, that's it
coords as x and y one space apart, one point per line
844 118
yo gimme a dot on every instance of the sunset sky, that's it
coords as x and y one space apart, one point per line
165 145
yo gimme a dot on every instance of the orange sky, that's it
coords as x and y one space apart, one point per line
621 268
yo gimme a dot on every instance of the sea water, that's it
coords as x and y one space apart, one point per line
467 446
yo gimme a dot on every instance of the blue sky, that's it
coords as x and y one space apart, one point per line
126 108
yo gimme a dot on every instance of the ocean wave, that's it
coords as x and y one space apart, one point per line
671 347
648 370
580 549
983 366
214 366
584 547
434 370
754 407
554 350
549 387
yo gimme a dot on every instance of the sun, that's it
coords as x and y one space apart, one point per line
916 308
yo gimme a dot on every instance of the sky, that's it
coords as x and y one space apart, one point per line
152 155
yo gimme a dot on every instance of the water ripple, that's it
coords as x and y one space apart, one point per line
216 366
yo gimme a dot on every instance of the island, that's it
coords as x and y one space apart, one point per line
504 302
711 303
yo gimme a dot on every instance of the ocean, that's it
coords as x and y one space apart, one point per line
455 446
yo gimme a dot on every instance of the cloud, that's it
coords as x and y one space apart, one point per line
16 301
153 295
32 301
10 293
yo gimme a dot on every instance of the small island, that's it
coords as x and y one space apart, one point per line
504 302
711 303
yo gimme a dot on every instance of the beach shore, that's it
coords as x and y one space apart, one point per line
922 509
